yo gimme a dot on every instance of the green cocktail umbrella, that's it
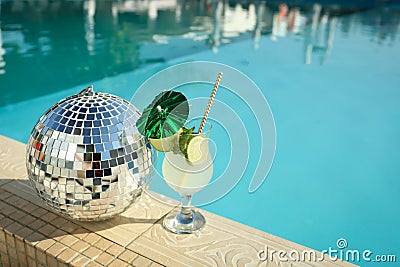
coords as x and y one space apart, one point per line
164 116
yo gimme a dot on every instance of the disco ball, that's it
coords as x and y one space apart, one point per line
85 157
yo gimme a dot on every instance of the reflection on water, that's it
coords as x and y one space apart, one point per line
2 52
90 9
318 37
53 45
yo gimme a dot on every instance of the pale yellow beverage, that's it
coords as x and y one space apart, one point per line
189 174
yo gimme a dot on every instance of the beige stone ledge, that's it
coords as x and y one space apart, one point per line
32 235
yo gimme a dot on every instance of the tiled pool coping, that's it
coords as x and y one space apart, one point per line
32 235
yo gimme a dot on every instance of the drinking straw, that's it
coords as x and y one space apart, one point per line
210 101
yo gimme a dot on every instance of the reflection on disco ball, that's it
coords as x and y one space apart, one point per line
85 157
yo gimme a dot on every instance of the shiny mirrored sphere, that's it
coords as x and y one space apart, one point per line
85 157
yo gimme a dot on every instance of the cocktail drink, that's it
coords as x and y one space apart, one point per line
188 165
188 171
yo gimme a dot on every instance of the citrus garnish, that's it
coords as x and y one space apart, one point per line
192 146
165 144
197 149
162 144
183 139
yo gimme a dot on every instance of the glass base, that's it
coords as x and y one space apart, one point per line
179 223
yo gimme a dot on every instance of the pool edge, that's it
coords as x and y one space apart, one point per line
136 232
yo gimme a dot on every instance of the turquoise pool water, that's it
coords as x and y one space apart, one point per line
332 85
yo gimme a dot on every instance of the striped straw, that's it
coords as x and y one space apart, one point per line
210 101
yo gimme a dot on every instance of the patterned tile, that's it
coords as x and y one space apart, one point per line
220 243
12 160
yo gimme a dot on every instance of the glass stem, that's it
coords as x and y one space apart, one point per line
186 214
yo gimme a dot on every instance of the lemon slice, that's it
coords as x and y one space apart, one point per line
197 149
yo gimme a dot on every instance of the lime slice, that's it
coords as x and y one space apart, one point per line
197 149
185 135
161 145
165 144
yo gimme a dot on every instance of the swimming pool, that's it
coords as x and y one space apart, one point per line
333 89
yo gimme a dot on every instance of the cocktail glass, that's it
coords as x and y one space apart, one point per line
187 172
